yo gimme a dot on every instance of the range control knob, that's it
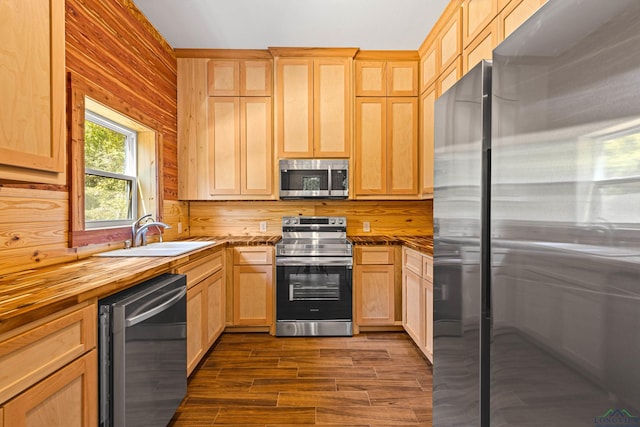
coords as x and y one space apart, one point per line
332 221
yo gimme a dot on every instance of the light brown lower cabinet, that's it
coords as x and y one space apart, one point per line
374 284
67 398
253 286
49 369
417 299
205 304
205 317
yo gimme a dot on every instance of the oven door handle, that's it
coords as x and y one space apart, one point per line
137 317
319 261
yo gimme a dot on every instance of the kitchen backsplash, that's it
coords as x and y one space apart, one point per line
244 218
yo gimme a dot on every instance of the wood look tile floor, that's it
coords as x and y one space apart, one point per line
370 380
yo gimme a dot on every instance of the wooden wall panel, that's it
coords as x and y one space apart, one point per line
33 228
243 218
109 43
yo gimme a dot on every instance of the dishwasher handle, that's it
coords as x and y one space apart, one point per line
137 317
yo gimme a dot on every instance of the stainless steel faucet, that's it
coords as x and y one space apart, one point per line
139 230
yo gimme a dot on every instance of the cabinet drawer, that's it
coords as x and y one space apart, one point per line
68 397
382 255
412 261
201 268
256 255
34 354
427 267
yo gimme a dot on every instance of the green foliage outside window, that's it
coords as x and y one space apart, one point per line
107 198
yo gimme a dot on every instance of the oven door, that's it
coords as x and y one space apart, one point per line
313 291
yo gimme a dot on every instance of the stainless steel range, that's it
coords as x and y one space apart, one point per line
314 277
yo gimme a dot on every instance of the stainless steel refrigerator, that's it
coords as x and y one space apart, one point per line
537 226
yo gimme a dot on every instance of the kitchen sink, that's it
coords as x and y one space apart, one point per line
159 249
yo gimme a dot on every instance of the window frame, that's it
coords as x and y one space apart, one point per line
79 93
130 175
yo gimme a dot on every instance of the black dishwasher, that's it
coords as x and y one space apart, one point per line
143 353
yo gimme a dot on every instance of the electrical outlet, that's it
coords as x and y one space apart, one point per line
366 226
179 227
263 226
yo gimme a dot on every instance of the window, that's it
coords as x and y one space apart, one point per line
114 165
110 173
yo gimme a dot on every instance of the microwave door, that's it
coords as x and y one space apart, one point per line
297 183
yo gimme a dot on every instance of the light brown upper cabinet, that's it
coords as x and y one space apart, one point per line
386 78
32 84
429 67
313 102
476 15
450 40
481 47
515 12
386 147
449 76
239 145
427 110
239 77
442 46
225 143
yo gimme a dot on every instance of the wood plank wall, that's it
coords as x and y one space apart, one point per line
243 218
110 43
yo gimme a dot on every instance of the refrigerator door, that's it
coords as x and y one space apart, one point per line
565 212
462 117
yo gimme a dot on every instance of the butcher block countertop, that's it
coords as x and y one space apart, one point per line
422 244
32 294
29 295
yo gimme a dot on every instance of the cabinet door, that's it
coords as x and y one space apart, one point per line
481 47
223 78
255 77
427 111
412 307
449 76
402 145
375 302
402 78
332 107
223 145
427 301
47 346
215 313
476 15
196 317
193 178
67 398
252 295
514 14
450 41
32 84
371 146
371 78
256 146
429 67
294 107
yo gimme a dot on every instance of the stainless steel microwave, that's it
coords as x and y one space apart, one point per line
314 178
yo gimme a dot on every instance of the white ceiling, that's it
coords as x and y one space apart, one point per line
258 24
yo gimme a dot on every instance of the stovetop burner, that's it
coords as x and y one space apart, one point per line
314 236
